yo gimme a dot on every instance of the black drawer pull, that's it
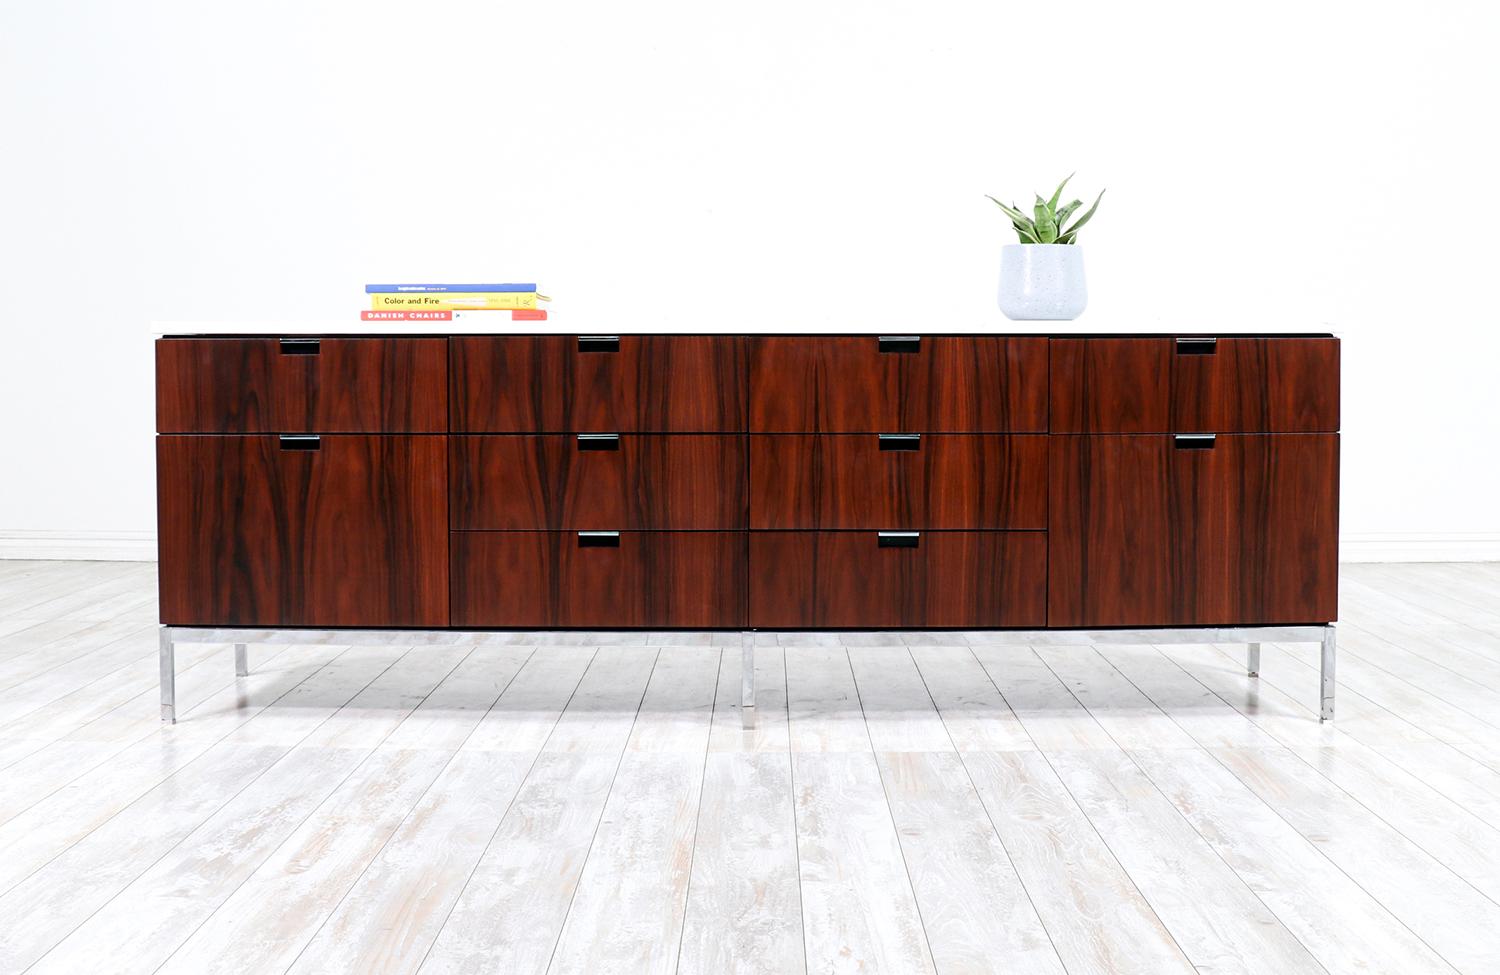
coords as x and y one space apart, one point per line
301 346
598 441
900 441
1197 346
900 343
598 539
300 442
1193 441
898 539
598 343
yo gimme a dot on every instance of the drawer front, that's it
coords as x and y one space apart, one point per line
1111 385
972 580
1275 385
935 481
1171 531
262 531
689 482
353 385
845 384
571 384
1195 385
636 579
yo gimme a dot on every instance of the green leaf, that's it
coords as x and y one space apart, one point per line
1026 235
1046 222
1067 211
1072 232
1052 204
1012 212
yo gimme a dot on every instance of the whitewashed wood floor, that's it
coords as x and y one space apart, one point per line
927 804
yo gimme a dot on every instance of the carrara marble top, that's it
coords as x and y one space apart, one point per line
488 323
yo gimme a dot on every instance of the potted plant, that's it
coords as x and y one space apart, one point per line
1041 278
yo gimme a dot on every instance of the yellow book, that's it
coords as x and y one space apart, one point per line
453 301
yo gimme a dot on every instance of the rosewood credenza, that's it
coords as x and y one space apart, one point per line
455 485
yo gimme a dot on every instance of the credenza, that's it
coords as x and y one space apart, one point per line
452 488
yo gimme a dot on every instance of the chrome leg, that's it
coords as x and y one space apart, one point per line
1329 641
747 679
241 661
1252 660
168 677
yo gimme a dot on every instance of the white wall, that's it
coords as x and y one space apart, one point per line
1269 164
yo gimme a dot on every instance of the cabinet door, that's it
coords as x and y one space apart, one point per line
682 482
863 480
317 531
1161 530
972 580
302 385
866 384
578 384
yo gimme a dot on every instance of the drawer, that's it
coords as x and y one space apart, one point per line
935 481
615 580
339 385
1195 385
346 530
614 481
1212 530
866 384
972 580
574 384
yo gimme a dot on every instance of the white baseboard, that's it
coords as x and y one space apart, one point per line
1365 547
82 546
1420 547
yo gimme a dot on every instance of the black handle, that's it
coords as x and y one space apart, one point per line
598 343
300 442
598 539
898 539
900 441
900 343
301 346
598 441
1197 346
1193 441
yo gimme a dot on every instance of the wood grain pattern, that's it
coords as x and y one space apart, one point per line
845 384
1143 534
353 385
1280 385
652 481
1110 385
957 481
352 534
544 384
545 579
844 579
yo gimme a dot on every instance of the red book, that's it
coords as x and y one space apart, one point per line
528 315
406 316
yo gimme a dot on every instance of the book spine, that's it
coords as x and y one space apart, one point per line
406 316
380 289
497 300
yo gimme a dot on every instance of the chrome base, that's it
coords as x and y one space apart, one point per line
1253 636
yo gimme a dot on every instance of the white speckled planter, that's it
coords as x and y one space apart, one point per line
1042 282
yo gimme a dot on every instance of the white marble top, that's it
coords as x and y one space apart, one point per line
488 323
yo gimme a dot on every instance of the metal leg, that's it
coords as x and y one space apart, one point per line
241 661
168 677
1329 645
1252 660
747 679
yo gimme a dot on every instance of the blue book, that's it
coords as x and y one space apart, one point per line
381 289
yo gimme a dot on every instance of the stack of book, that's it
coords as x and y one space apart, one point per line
438 302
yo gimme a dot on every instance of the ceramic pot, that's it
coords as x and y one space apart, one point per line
1042 282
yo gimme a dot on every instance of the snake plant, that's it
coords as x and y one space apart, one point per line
1045 225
